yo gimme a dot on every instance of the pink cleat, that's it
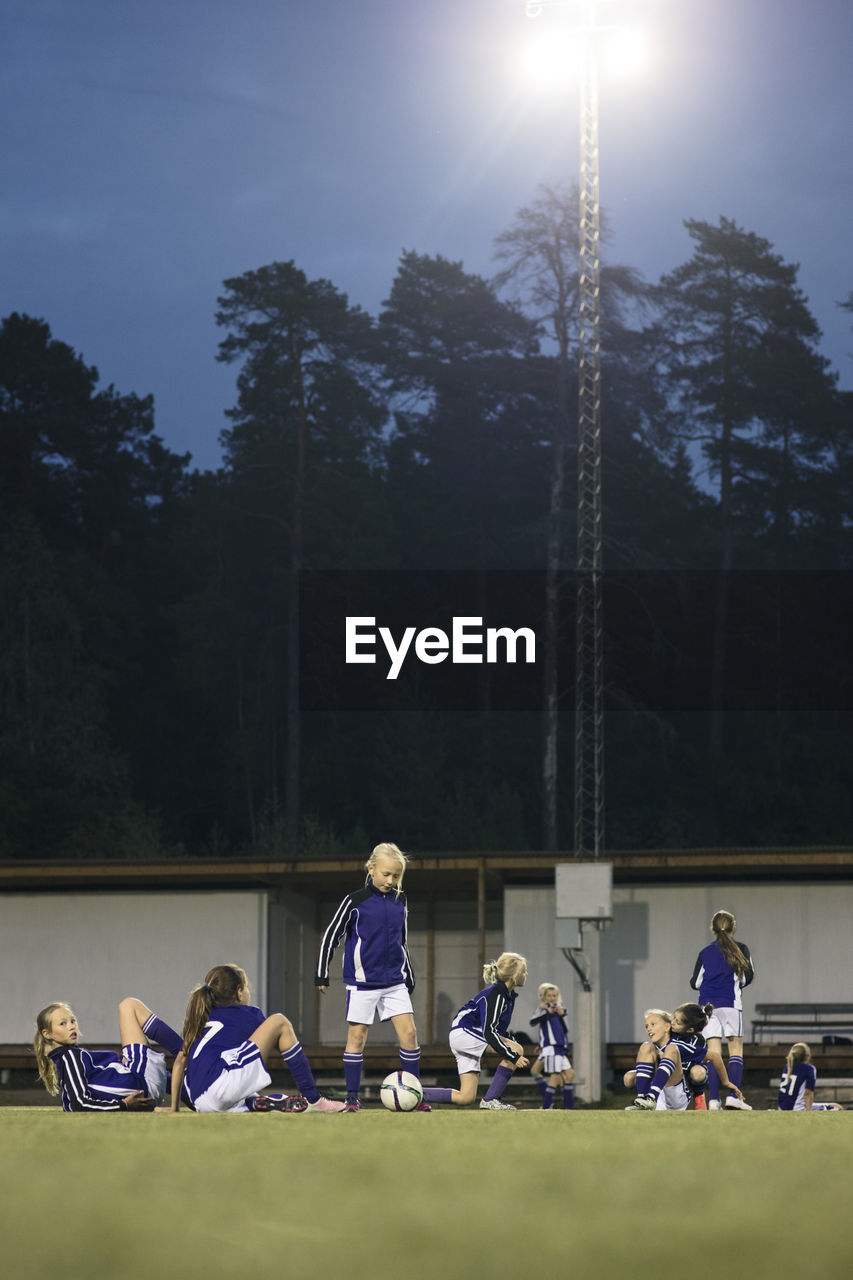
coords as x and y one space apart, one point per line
422 1106
325 1104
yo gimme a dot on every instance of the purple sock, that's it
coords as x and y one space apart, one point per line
645 1071
410 1060
568 1097
735 1069
548 1098
500 1080
541 1084
713 1083
161 1033
661 1077
437 1095
352 1074
300 1068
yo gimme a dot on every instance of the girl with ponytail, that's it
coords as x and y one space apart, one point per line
722 970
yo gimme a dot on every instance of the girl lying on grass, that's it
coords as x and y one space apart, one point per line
99 1079
221 1064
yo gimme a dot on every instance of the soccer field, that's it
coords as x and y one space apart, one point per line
451 1194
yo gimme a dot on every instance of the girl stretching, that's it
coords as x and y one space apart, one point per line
377 968
98 1079
722 970
484 1021
226 1038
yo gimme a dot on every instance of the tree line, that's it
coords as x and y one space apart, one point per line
172 675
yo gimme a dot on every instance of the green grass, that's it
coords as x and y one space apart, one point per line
426 1197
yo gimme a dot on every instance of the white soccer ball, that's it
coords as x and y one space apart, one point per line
401 1091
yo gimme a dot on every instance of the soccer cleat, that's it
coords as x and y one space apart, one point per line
495 1104
326 1104
699 1102
422 1106
642 1103
734 1103
352 1106
714 1104
279 1102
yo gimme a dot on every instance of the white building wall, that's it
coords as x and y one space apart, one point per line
91 949
800 935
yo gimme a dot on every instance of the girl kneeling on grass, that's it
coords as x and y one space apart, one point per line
673 1061
796 1092
99 1079
226 1038
484 1021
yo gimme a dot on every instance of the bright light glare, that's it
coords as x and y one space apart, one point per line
624 52
551 59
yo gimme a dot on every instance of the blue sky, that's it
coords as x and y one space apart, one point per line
151 151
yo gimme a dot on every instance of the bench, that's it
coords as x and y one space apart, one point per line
829 1088
824 1019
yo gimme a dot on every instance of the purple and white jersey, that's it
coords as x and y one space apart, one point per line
715 979
553 1031
228 1027
96 1079
487 1016
792 1091
691 1047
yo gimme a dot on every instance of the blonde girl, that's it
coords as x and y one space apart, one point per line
99 1079
672 1060
721 972
377 968
550 1019
484 1022
799 1079
225 1041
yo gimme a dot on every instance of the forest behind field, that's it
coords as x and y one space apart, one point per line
172 660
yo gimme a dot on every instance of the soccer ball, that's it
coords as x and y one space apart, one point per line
401 1091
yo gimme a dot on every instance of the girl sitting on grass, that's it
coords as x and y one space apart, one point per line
796 1092
674 1054
484 1021
226 1038
99 1079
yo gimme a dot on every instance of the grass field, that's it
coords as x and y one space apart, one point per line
452 1194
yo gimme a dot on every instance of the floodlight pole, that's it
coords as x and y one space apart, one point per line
589 617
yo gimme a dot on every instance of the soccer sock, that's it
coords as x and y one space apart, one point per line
410 1060
735 1068
568 1097
541 1085
352 1074
161 1033
713 1083
661 1077
300 1068
645 1071
500 1080
548 1098
438 1095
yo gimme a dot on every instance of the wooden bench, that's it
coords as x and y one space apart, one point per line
814 1018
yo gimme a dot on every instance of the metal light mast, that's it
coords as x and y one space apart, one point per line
589 626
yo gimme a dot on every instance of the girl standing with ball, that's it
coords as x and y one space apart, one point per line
377 969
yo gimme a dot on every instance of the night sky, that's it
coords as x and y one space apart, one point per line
150 151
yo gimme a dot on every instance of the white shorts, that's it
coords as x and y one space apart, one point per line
243 1074
724 1023
553 1062
388 1002
467 1049
673 1097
